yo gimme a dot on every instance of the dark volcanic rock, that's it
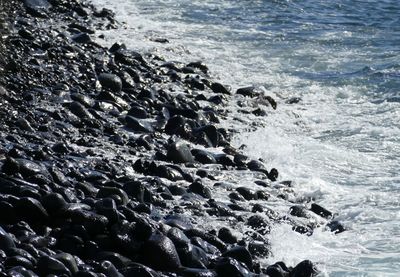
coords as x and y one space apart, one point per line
304 269
159 253
320 211
240 254
247 91
179 152
110 81
6 241
31 210
137 125
336 227
199 188
228 267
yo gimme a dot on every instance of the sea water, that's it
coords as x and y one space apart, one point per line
340 143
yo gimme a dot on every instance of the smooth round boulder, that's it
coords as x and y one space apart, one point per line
179 152
241 254
110 81
159 252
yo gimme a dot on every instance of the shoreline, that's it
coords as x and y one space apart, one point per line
106 157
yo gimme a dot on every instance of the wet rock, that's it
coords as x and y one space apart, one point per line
23 124
293 100
110 81
109 269
207 135
198 238
138 112
48 265
259 223
248 91
226 235
199 188
31 210
53 203
81 38
79 110
122 197
219 88
200 65
247 193
336 227
229 267
273 174
299 211
180 221
304 269
203 157
240 254
321 211
159 253
20 271
178 237
259 249
37 8
278 269
137 125
116 259
179 152
6 241
69 261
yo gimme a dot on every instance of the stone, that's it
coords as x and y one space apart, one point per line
299 211
259 223
81 38
110 81
304 269
79 110
48 265
159 252
6 241
203 157
278 269
179 152
109 191
229 267
138 125
31 210
69 261
199 188
219 88
248 91
247 193
321 211
240 254
336 227
226 235
53 203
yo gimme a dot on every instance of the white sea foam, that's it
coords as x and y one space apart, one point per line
340 145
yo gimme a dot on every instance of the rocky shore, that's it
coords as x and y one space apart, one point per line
113 162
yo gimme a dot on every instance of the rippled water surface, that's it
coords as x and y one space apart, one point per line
341 142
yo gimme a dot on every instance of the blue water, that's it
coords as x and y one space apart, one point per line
340 143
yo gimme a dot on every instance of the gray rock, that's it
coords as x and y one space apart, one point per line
179 152
110 81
